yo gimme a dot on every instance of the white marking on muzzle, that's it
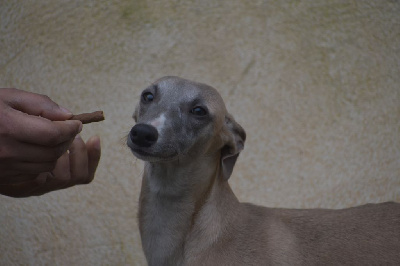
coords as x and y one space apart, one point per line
159 123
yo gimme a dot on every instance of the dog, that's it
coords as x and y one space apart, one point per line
188 214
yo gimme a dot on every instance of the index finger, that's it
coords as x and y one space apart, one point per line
34 104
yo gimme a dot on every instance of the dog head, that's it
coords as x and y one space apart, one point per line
178 119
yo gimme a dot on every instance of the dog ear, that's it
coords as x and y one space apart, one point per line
235 136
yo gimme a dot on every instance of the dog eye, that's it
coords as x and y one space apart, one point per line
199 111
147 97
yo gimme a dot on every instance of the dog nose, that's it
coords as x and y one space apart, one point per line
143 135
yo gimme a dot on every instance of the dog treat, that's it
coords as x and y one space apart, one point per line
89 117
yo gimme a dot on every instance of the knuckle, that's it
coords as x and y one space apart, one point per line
44 98
53 137
48 105
48 167
6 123
41 179
5 153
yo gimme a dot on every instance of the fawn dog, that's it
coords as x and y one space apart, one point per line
188 214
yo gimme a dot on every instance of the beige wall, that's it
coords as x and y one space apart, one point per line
315 84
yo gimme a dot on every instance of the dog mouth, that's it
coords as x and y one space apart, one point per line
141 152
146 153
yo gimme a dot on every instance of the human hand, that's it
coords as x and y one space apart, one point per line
76 166
34 137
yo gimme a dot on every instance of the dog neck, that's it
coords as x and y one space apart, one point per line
179 204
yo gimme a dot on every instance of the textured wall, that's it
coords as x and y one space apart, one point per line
316 85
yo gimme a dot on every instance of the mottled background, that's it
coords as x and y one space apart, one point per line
316 85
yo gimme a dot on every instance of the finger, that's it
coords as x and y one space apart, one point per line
31 153
94 153
39 130
17 178
17 170
42 184
78 160
19 190
36 104
62 170
56 180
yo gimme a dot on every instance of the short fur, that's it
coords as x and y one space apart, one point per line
189 215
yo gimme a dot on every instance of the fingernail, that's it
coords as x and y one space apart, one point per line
80 128
65 110
78 136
